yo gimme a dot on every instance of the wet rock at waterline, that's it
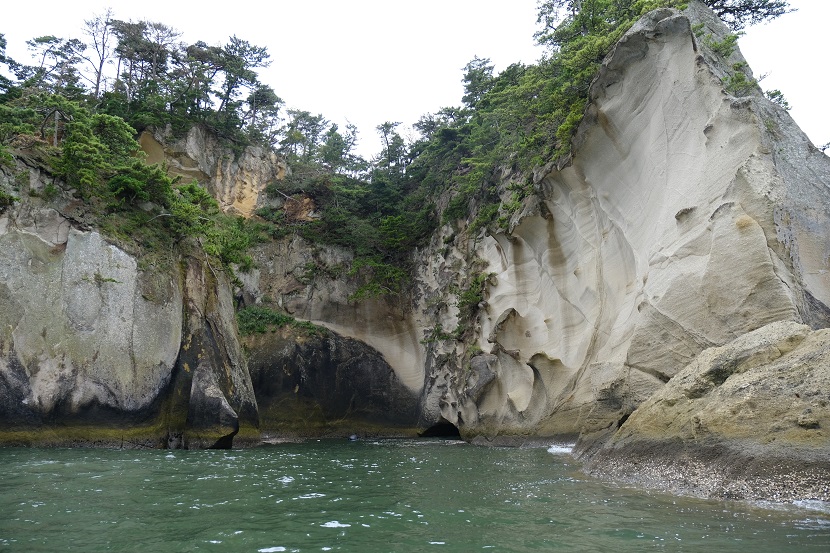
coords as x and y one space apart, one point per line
747 420
317 383
660 294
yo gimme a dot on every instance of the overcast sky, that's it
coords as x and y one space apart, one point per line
370 61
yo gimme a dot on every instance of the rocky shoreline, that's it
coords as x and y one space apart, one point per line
748 420
715 472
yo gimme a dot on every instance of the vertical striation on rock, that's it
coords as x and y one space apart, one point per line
96 348
685 224
212 373
675 226
236 180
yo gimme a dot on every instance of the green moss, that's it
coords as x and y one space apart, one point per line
6 201
131 436
258 320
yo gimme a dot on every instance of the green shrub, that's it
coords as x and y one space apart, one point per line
724 48
6 200
258 320
737 83
777 97
378 278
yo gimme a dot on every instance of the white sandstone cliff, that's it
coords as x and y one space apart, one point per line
685 218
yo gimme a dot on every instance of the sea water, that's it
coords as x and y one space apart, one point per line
366 496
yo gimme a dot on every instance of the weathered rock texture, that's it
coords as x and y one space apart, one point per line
748 420
211 364
315 383
685 241
685 218
95 348
311 283
236 180
78 329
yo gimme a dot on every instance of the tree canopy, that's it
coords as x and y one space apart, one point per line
85 101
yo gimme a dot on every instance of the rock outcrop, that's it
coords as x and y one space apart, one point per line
662 296
236 180
684 219
310 282
748 420
98 348
82 330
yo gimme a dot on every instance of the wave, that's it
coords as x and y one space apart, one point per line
561 449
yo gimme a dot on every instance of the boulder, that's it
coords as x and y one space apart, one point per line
747 420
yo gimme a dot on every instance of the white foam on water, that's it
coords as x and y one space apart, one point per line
561 449
272 549
335 524
813 505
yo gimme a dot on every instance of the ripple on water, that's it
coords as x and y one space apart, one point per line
814 505
370 497
335 524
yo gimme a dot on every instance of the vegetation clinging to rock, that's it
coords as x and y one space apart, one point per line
382 209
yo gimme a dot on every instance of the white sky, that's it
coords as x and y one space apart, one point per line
371 61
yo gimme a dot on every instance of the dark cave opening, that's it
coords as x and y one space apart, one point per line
443 429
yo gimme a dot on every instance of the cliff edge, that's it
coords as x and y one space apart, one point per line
661 297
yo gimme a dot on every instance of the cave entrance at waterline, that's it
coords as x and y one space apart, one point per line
442 429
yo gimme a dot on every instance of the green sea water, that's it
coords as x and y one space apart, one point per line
365 496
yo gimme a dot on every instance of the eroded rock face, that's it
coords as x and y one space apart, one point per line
676 226
81 328
212 371
684 219
311 383
746 420
310 282
236 181
95 349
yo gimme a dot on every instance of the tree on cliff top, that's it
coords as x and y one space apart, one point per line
740 13
562 20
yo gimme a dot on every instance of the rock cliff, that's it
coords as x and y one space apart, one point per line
661 297
236 180
98 347
676 226
685 218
